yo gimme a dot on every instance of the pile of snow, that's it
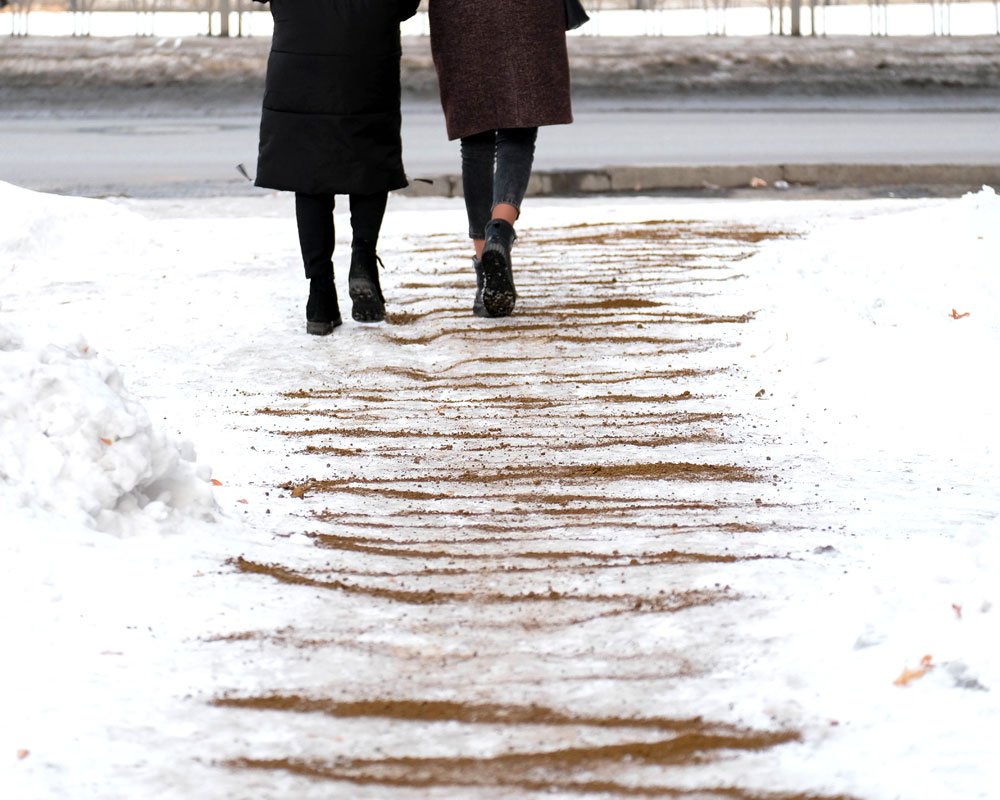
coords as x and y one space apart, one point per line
58 233
74 443
877 345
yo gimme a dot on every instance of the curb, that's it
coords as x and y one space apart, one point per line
635 180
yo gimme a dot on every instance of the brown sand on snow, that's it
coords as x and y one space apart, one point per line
399 549
510 495
675 601
438 771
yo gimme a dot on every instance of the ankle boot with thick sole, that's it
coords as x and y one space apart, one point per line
322 308
363 285
478 309
499 294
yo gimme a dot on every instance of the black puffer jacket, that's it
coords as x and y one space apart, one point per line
331 115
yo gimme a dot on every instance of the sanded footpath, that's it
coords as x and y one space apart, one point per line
507 530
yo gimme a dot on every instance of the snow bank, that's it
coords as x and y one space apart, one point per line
891 322
876 344
54 234
907 19
75 443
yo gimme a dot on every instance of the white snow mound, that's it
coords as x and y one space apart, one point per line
982 210
64 232
75 444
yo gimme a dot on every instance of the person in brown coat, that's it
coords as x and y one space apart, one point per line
503 72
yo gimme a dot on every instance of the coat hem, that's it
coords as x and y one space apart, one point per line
455 133
341 189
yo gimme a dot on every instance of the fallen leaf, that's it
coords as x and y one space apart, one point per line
957 609
761 393
244 501
23 754
956 315
216 483
108 442
909 675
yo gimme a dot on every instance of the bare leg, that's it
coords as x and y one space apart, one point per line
506 212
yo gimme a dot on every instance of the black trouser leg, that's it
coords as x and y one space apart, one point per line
515 155
515 158
478 161
314 215
367 212
496 168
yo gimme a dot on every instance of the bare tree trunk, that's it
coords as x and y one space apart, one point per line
224 6
22 15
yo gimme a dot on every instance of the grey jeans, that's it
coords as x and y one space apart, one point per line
496 168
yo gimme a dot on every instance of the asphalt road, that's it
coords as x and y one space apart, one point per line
183 154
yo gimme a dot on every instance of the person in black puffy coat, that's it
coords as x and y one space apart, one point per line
331 125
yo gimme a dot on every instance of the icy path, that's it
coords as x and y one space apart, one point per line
519 523
585 552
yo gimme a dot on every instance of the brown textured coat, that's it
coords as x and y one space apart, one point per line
501 63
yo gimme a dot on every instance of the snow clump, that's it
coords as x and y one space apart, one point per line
75 444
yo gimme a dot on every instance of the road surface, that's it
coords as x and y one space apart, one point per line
184 154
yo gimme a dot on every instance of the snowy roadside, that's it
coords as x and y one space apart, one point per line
106 522
48 75
876 402
876 353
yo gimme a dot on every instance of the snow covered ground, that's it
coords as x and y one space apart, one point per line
859 400
902 19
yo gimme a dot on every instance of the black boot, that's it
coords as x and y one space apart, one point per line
499 294
322 309
478 309
363 284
